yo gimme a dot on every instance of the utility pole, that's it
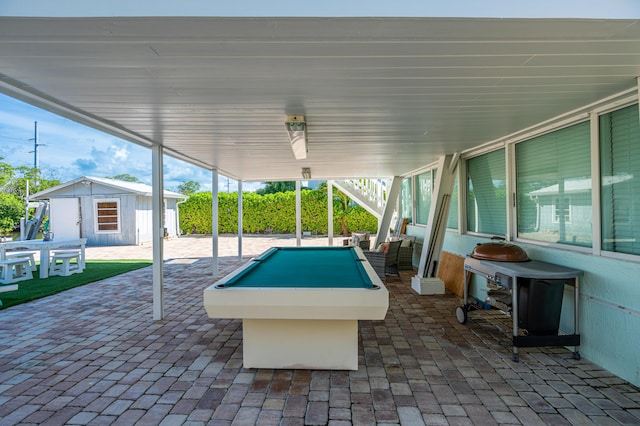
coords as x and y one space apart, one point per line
35 149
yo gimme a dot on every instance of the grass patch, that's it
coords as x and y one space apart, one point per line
95 270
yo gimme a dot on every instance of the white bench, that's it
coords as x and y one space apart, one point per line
24 254
7 287
65 267
14 270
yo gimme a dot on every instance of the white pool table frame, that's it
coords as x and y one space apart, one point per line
306 328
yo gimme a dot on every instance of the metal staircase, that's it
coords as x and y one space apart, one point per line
371 194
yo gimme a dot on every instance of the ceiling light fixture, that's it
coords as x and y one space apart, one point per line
297 130
306 173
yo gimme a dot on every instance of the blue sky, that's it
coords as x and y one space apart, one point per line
69 150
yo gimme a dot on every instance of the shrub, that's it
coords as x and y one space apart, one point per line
269 214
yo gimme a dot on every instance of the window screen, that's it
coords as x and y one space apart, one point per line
486 194
620 180
553 185
406 200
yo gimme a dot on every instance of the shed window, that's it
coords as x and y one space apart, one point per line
553 183
620 180
107 213
486 194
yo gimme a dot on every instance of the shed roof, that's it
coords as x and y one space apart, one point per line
132 187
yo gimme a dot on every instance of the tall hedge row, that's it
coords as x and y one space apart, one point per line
270 214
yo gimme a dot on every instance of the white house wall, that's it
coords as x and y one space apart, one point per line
144 232
127 232
609 303
609 307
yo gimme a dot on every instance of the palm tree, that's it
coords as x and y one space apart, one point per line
346 205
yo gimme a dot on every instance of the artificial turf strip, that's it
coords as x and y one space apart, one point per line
94 270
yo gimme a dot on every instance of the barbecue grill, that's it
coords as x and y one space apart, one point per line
511 273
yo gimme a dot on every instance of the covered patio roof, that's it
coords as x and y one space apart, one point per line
381 96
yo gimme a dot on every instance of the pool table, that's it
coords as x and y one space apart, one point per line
300 306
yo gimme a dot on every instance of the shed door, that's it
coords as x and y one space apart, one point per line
64 217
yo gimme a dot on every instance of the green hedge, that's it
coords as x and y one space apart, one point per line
270 214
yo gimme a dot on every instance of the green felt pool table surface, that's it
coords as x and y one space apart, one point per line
305 267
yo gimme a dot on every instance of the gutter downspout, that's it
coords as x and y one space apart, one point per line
178 233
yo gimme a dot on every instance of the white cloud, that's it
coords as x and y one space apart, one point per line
121 153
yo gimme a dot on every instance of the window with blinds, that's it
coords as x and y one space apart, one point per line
406 200
486 194
107 214
620 180
553 187
424 190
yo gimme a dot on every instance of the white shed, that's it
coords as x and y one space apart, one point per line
107 211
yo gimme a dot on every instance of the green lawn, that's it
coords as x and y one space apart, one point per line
95 270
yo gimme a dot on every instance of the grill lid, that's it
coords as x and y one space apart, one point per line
499 251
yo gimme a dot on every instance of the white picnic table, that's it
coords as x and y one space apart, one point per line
44 247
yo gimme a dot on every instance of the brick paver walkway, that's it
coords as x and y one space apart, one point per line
93 355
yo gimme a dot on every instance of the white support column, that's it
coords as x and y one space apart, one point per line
385 221
240 220
298 215
427 281
157 211
214 221
330 211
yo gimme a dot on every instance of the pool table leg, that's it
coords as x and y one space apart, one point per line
306 344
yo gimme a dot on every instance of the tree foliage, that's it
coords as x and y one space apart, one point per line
274 187
126 178
189 187
16 184
6 173
344 203
13 183
11 210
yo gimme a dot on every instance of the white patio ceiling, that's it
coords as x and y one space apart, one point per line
381 96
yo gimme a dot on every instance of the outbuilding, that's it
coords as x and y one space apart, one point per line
107 211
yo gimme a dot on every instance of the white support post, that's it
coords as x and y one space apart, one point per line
385 221
240 221
214 221
427 281
330 211
157 210
298 215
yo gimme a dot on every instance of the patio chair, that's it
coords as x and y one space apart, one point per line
405 255
385 263
360 239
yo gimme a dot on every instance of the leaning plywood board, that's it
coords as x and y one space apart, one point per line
451 271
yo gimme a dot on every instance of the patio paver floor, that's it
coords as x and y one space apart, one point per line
93 355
